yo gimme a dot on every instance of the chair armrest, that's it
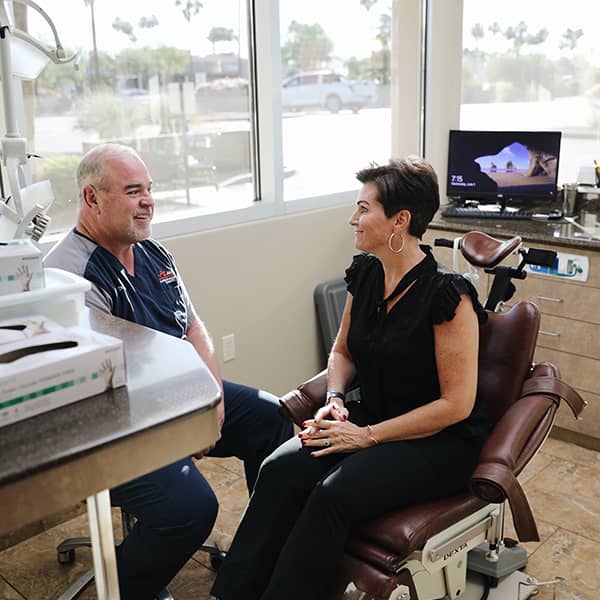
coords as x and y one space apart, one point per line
515 439
302 403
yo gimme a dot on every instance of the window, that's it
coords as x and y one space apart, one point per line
336 125
168 78
529 69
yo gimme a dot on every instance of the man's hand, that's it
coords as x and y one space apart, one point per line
220 420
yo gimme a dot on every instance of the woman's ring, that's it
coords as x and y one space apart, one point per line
326 443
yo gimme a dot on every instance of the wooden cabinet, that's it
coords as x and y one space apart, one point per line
569 334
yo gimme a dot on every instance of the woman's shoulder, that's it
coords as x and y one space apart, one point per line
361 266
447 291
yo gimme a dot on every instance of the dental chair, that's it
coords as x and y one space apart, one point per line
422 552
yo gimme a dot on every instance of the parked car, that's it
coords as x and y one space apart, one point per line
326 89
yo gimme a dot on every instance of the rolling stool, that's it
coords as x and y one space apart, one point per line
65 555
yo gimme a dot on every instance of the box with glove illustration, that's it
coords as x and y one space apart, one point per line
44 366
20 267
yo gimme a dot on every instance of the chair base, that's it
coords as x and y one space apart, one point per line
507 589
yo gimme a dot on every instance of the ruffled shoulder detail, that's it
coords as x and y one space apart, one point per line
447 296
360 265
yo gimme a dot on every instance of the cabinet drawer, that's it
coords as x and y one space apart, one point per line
561 299
589 424
578 371
568 335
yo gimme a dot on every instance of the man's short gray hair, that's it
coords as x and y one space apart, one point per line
91 167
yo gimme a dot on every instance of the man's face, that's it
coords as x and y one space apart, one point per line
125 203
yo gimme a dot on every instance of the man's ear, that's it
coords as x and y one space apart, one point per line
89 196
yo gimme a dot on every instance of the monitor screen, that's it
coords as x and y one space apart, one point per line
503 166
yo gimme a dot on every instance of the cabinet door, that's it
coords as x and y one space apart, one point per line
561 299
568 335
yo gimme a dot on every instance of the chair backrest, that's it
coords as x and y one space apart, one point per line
330 298
506 346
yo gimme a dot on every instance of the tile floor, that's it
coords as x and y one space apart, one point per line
562 483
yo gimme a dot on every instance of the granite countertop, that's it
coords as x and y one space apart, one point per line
558 233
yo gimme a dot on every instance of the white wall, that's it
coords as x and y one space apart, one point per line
256 280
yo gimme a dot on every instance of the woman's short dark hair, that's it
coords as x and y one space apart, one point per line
407 183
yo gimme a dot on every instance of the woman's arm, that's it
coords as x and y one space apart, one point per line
456 352
340 368
340 371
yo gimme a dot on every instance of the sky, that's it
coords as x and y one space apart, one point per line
517 153
354 36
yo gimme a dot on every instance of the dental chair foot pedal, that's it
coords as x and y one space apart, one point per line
508 560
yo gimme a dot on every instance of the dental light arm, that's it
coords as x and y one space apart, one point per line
23 212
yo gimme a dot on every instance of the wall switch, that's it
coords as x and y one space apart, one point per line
228 342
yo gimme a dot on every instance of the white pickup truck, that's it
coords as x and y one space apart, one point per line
326 89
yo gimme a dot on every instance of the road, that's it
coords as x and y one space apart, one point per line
324 150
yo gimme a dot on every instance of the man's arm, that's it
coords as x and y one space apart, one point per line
197 335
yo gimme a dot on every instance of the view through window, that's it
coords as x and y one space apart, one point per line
527 69
335 92
168 77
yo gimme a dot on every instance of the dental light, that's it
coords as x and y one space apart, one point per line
23 207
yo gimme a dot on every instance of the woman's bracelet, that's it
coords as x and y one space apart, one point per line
331 395
373 438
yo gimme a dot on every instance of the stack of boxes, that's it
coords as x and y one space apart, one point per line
43 363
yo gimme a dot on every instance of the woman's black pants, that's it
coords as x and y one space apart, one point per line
291 538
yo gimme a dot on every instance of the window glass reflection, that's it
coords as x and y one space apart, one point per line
530 69
166 77
335 94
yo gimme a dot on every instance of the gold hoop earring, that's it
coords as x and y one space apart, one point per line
390 243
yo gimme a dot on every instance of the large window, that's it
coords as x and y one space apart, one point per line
530 69
335 92
169 77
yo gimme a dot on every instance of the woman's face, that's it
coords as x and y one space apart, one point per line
372 228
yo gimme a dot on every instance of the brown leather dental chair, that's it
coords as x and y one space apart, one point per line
422 552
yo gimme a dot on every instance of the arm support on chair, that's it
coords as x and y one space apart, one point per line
515 439
302 403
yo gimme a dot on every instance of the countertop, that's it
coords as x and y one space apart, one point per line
558 233
166 381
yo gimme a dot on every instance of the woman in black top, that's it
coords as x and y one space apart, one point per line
410 333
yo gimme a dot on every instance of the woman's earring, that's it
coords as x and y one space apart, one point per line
390 243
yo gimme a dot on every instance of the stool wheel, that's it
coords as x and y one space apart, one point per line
66 557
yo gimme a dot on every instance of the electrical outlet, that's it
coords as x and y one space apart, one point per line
228 342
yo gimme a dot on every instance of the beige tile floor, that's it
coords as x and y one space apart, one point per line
562 483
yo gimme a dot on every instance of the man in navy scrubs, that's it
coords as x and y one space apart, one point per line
135 278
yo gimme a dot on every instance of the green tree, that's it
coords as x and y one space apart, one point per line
189 8
220 34
570 38
124 27
307 47
368 4
478 32
520 36
110 119
145 62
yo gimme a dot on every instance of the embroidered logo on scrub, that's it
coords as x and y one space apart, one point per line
166 276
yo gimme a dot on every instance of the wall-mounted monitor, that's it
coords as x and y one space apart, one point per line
508 167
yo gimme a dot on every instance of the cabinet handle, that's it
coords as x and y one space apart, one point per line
549 299
549 333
